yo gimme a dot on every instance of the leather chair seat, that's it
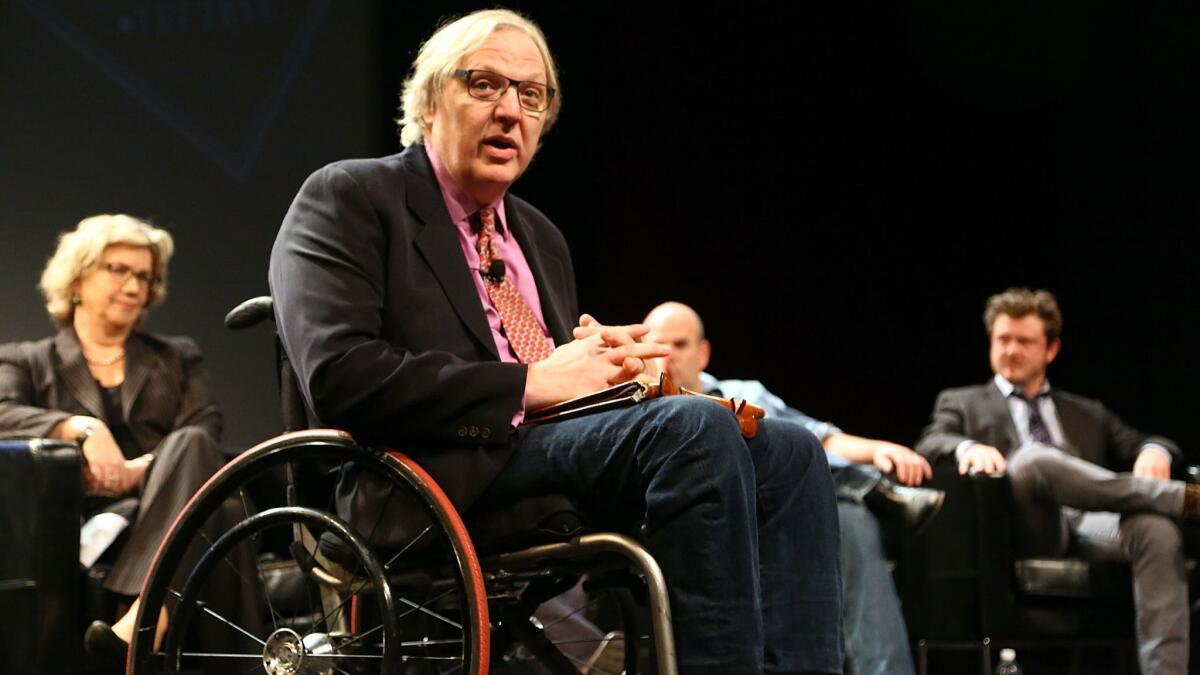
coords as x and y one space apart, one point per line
1081 579
1071 578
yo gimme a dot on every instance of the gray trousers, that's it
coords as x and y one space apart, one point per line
183 461
1063 500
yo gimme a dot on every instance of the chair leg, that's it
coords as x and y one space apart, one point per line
922 657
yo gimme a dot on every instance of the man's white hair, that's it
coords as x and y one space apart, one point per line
440 57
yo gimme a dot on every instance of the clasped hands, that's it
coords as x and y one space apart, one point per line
599 356
107 472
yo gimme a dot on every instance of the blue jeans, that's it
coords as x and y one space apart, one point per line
876 638
745 531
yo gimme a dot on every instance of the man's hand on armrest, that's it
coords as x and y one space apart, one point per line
608 356
910 468
980 457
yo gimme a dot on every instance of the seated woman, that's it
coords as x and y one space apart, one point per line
138 403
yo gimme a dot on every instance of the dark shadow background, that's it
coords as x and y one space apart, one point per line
836 188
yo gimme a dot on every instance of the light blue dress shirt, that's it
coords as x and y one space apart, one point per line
754 392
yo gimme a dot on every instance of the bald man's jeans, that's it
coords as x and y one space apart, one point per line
746 532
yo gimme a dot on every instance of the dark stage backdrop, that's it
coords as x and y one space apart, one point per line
835 189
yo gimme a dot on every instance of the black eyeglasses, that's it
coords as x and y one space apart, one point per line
488 86
122 272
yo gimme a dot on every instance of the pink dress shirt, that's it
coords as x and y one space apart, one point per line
461 207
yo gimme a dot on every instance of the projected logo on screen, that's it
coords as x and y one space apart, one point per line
215 71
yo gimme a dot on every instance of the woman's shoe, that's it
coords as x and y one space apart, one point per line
105 648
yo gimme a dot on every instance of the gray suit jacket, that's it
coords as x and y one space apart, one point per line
166 387
980 413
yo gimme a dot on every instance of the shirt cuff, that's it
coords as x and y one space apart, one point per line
823 430
1157 448
962 447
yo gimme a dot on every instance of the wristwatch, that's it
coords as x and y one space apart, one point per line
84 434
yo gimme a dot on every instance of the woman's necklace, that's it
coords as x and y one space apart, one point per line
102 363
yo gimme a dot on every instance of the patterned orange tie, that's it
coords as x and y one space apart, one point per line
521 327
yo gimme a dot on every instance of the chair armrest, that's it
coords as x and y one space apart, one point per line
41 499
996 554
939 575
958 576
993 516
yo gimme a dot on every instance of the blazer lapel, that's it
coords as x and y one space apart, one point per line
1072 420
998 410
76 377
139 363
438 242
544 268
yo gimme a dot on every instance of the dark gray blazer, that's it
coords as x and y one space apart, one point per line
166 387
169 409
980 413
380 317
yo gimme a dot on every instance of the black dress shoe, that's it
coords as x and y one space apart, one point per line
917 506
106 649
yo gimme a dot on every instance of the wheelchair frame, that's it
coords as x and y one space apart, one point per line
587 553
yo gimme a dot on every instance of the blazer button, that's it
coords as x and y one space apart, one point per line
474 431
462 432
485 432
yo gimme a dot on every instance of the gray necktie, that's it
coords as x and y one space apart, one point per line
1038 430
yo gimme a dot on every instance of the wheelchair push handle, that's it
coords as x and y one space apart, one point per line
250 313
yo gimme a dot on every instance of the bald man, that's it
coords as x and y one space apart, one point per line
876 638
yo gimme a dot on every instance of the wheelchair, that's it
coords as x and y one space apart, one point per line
394 585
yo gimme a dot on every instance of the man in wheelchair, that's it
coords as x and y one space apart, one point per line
424 307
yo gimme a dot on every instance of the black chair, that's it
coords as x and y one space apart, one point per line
964 588
402 589
41 502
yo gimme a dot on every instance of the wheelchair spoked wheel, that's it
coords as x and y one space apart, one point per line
383 593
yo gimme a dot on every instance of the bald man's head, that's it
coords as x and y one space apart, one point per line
677 325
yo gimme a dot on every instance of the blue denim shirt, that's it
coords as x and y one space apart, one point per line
754 392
